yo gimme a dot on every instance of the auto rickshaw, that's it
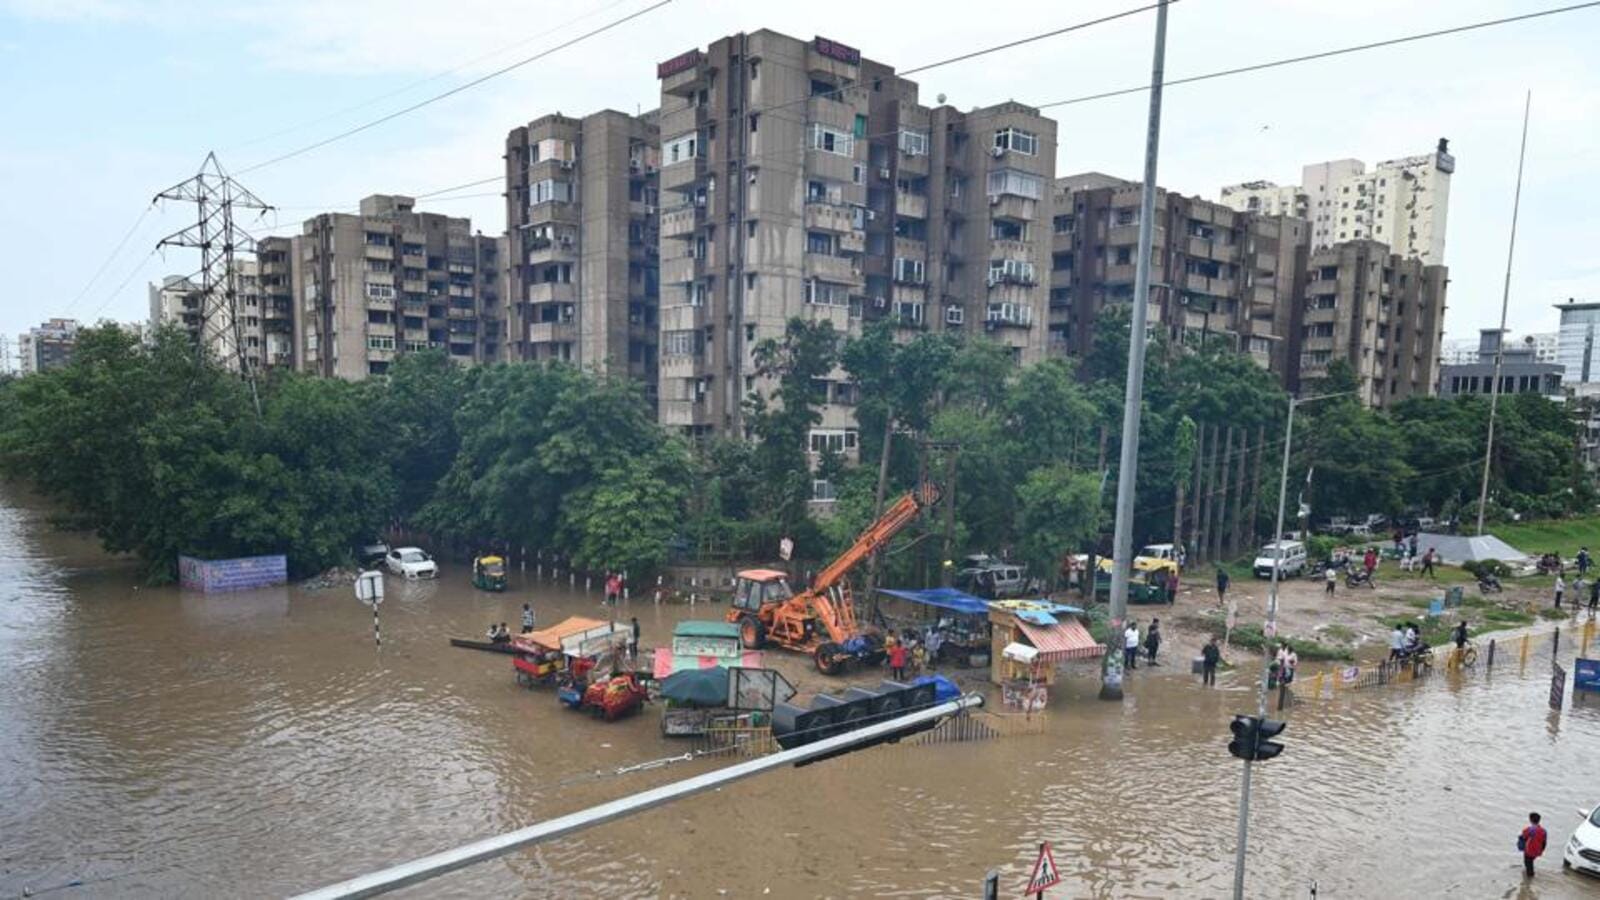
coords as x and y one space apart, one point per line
1147 583
489 573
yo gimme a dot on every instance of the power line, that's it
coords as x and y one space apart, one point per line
1324 54
455 90
428 80
106 263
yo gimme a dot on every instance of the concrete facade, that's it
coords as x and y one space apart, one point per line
262 321
1382 312
582 269
1217 274
1403 202
799 179
391 280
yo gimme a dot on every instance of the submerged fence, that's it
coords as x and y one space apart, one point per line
1493 655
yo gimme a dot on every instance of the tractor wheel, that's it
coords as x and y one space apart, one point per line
830 658
752 633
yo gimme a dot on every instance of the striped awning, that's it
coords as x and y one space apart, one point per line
1066 640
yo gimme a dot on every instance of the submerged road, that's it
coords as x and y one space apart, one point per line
154 743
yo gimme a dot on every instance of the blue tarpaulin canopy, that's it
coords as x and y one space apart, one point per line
944 598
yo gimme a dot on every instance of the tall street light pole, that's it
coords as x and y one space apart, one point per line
1270 629
1505 302
1128 465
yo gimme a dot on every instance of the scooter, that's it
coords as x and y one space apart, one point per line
1489 584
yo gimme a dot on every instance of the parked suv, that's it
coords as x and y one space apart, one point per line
1288 556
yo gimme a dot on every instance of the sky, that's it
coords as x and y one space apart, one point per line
104 103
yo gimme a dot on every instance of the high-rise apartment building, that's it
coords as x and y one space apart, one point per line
581 217
799 179
48 346
1404 202
257 330
1216 276
391 280
275 288
1380 311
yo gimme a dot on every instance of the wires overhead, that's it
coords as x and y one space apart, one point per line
110 258
429 101
1325 54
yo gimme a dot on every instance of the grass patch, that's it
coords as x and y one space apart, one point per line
1550 612
1250 637
1341 633
1563 536
1507 618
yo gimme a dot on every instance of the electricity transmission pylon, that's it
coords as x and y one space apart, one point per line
218 238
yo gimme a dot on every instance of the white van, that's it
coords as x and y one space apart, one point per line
1289 556
1159 551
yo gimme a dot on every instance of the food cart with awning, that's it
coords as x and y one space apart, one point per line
1049 635
956 620
574 643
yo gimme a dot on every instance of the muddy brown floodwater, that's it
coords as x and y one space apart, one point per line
161 744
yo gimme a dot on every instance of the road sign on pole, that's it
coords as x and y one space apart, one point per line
369 590
1045 873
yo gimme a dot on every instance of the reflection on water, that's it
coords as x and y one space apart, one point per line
257 744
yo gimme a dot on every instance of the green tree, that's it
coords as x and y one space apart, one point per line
1058 509
782 424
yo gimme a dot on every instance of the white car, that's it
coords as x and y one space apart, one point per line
412 562
1583 848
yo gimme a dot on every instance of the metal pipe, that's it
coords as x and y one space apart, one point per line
427 867
1128 464
1505 302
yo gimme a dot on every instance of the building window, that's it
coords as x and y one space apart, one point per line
1062 224
827 293
909 271
380 291
913 143
1010 271
680 149
838 440
1017 140
549 190
822 490
830 141
1015 183
681 343
380 342
819 242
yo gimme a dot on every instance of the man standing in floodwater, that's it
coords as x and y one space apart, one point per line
1531 842
1130 645
1210 655
527 618
1330 578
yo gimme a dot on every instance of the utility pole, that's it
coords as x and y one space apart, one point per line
1128 466
1270 629
1505 302
215 195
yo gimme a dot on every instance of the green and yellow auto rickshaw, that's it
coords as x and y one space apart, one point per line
489 573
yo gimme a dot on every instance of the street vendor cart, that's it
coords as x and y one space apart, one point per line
1031 639
952 624
572 647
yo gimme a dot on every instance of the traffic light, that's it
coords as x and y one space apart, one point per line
1252 737
1243 744
1266 729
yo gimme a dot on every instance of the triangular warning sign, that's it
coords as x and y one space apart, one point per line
1045 873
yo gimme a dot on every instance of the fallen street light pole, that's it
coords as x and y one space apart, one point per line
1270 631
1133 395
427 867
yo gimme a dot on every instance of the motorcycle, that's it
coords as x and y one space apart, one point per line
1488 584
1359 577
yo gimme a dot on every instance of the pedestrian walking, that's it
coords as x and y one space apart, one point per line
613 587
1130 645
1329 578
1370 561
1288 661
1413 545
527 618
1172 588
897 660
1561 588
633 638
1459 635
1210 655
1531 842
1152 641
1183 557
1583 561
1222 585
1594 595
1397 643
1427 562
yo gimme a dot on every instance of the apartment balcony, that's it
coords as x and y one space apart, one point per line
460 312
853 242
552 332
914 206
380 251
683 317
680 270
830 217
1213 250
1061 278
413 260
376 329
1007 248
1119 274
1216 287
1015 293
837 269
274 268
679 175
549 250
682 221
1008 315
685 413
552 292
553 212
1011 208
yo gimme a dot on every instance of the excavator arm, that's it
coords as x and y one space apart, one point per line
829 595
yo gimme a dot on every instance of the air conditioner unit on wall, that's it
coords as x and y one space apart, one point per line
997 152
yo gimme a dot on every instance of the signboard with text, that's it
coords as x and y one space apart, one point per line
680 63
835 50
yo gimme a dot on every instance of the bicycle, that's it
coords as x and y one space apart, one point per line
1468 656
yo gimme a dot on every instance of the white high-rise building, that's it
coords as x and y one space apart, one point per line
1404 202
1578 345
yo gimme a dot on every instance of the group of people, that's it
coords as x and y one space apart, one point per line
909 652
500 634
1407 641
1580 585
1131 642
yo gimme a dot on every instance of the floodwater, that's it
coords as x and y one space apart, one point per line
161 744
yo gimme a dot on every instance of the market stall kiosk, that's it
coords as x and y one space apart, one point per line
955 624
1031 639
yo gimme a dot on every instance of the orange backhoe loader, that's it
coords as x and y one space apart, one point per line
820 620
